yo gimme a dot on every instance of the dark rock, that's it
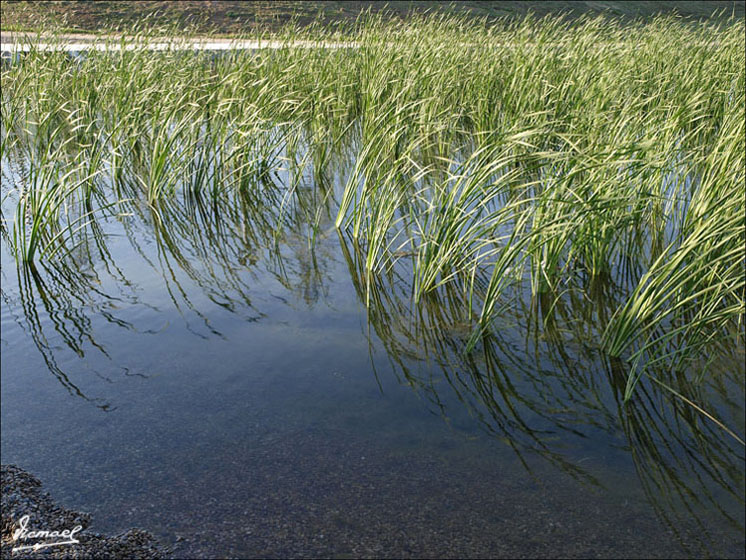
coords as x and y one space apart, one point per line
22 496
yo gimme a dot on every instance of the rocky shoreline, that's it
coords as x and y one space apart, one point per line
22 495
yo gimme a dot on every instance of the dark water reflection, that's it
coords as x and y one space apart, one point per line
231 389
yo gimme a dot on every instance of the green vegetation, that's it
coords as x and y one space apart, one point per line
530 158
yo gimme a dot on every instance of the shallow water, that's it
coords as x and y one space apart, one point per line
225 387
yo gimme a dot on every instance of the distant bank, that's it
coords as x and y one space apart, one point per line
233 18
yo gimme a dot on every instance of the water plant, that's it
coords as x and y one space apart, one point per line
543 156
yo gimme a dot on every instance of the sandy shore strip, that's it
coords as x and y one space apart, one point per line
26 510
75 42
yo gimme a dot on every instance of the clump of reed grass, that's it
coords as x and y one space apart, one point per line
536 152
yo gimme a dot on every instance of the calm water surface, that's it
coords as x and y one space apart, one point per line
206 375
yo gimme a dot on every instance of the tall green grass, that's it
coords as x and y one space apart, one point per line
545 154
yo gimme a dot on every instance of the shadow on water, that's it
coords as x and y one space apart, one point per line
63 297
537 381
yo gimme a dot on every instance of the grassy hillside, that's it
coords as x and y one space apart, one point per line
230 17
